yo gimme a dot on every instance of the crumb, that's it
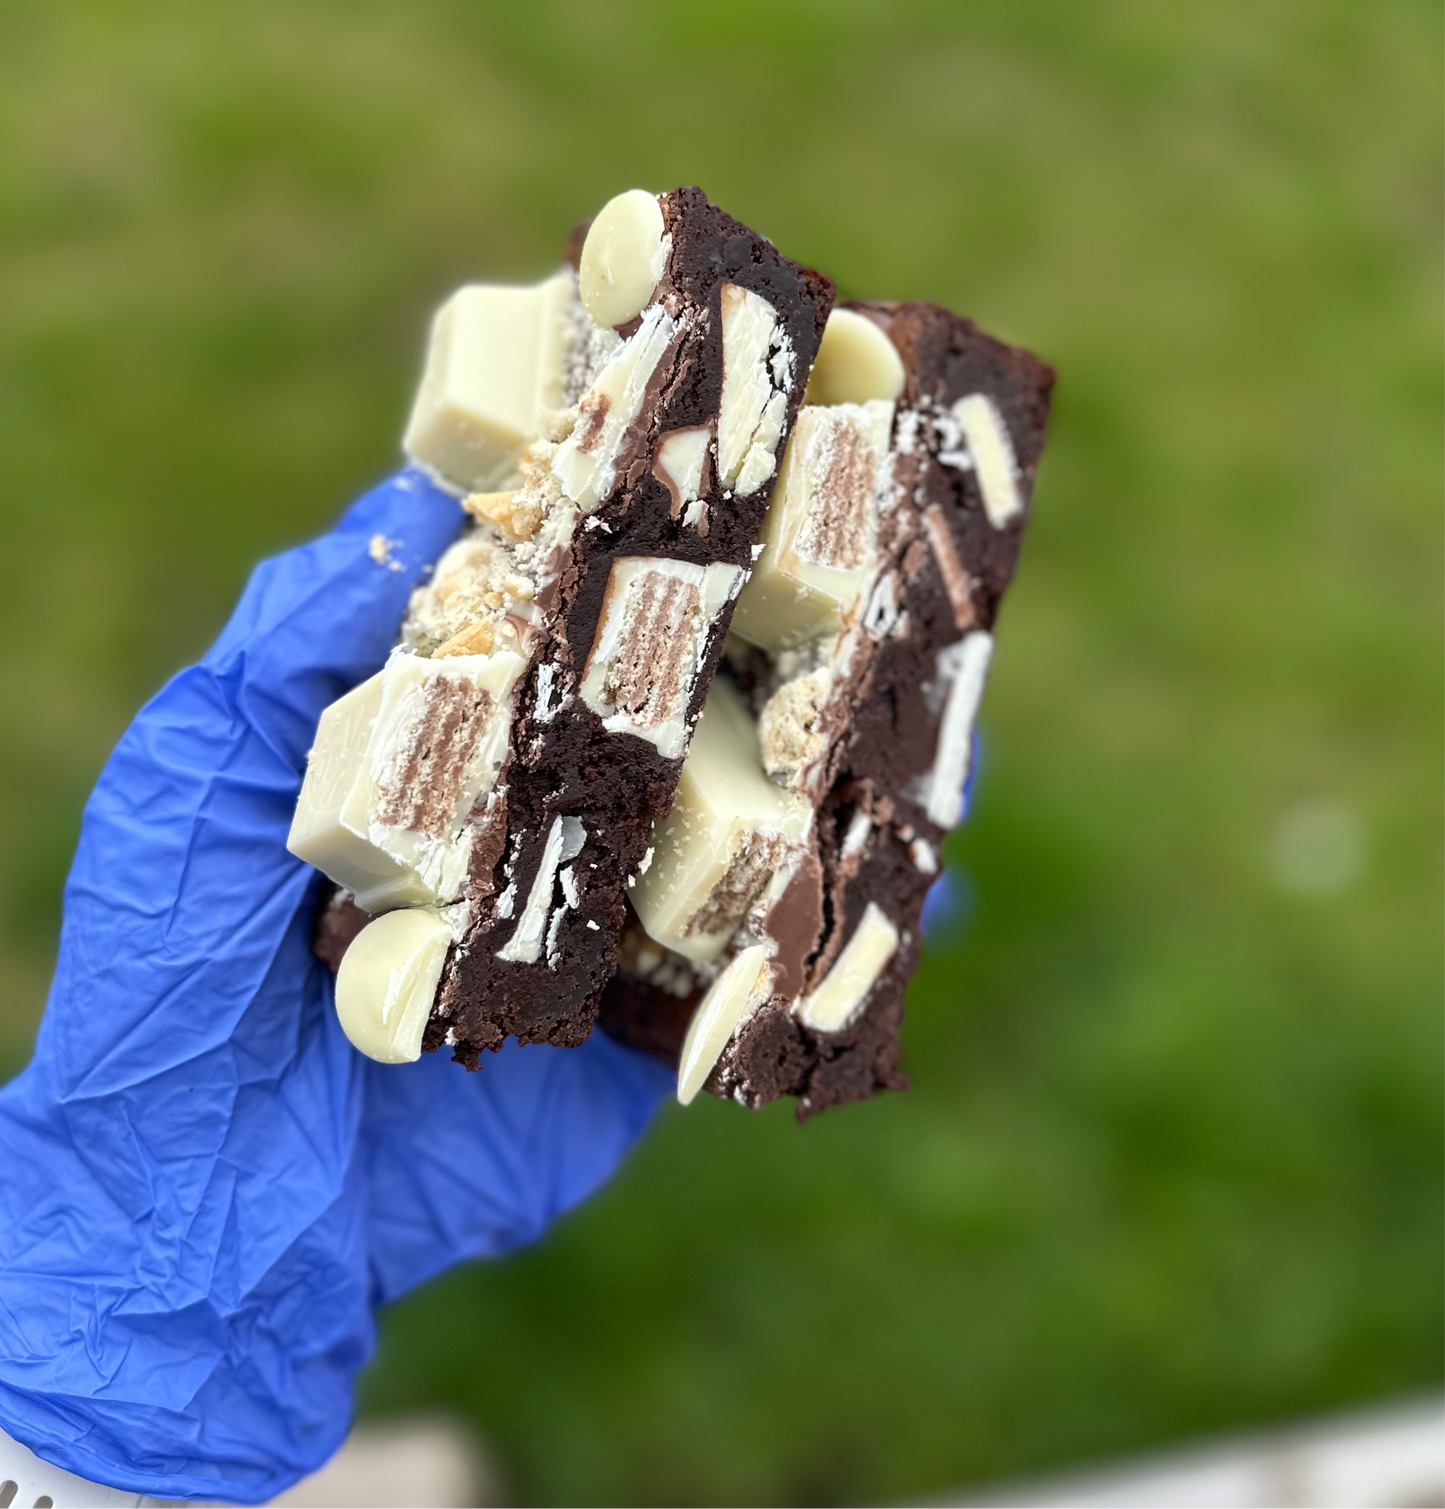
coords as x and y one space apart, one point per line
379 549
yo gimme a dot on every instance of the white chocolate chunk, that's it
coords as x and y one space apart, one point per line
679 464
493 374
924 856
722 845
397 765
388 980
586 462
856 362
963 668
993 456
731 999
622 258
564 841
758 366
820 533
840 999
651 640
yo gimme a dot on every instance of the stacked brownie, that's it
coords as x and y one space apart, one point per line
513 800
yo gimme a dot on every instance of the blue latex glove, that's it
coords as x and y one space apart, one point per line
204 1188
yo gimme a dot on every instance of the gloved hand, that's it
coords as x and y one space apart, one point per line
204 1188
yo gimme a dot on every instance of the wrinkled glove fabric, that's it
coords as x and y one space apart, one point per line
204 1189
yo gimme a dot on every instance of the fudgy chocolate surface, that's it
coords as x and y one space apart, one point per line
951 566
569 764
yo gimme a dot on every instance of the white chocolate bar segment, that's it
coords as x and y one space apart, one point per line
650 643
839 1000
758 367
493 373
963 668
387 980
586 462
396 766
992 452
333 767
723 843
820 533
731 999
856 362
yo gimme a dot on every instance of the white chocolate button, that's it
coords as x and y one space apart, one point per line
820 531
840 999
388 981
493 373
733 997
856 362
722 845
622 258
993 456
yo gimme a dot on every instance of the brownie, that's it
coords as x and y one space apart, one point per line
532 723
902 682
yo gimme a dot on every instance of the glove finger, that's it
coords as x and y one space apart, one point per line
316 621
469 1165
182 888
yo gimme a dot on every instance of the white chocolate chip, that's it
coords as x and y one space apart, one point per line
757 378
564 841
856 362
963 669
493 373
384 804
993 456
586 462
731 999
622 258
388 980
819 535
652 638
840 999
722 844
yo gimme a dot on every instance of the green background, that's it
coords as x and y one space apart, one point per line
1172 1162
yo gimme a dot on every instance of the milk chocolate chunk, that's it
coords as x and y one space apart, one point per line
864 685
613 433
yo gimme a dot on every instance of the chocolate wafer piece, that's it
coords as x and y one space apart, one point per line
771 946
615 432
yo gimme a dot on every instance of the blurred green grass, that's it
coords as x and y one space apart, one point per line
1173 1158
